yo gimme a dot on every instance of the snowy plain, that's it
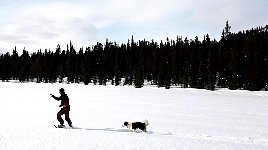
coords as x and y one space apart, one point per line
179 119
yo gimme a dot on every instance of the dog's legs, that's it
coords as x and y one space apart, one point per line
130 127
130 130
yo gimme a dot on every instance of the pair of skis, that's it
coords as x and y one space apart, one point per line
64 127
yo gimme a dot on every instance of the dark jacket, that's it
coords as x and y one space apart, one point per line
64 101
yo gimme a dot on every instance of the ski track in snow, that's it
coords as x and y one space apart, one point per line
239 140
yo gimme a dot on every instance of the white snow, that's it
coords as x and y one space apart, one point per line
178 118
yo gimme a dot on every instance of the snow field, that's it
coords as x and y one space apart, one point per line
178 118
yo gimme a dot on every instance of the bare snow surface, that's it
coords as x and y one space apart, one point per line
179 119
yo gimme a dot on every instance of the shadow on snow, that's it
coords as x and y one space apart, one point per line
111 130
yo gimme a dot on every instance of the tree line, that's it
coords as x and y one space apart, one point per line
236 61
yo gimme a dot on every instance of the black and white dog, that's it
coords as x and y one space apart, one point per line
132 126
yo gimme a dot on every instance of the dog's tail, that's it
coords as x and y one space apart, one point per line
146 122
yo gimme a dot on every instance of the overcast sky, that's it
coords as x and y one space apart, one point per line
42 24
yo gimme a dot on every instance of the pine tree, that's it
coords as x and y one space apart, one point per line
138 79
226 31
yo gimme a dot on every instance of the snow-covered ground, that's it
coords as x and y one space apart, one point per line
179 118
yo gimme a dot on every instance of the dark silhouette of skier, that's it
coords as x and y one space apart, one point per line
65 108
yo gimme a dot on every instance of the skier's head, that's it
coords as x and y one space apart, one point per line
62 91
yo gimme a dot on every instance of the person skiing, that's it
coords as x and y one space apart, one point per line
65 108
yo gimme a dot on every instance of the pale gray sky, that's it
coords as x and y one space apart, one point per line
42 24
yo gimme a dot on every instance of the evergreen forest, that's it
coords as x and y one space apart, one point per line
236 61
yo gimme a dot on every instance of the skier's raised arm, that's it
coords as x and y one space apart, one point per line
56 98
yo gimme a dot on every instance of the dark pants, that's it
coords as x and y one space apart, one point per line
64 111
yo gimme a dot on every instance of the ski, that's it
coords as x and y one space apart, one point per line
67 127
59 127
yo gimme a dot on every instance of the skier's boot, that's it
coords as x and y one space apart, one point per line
70 125
61 126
